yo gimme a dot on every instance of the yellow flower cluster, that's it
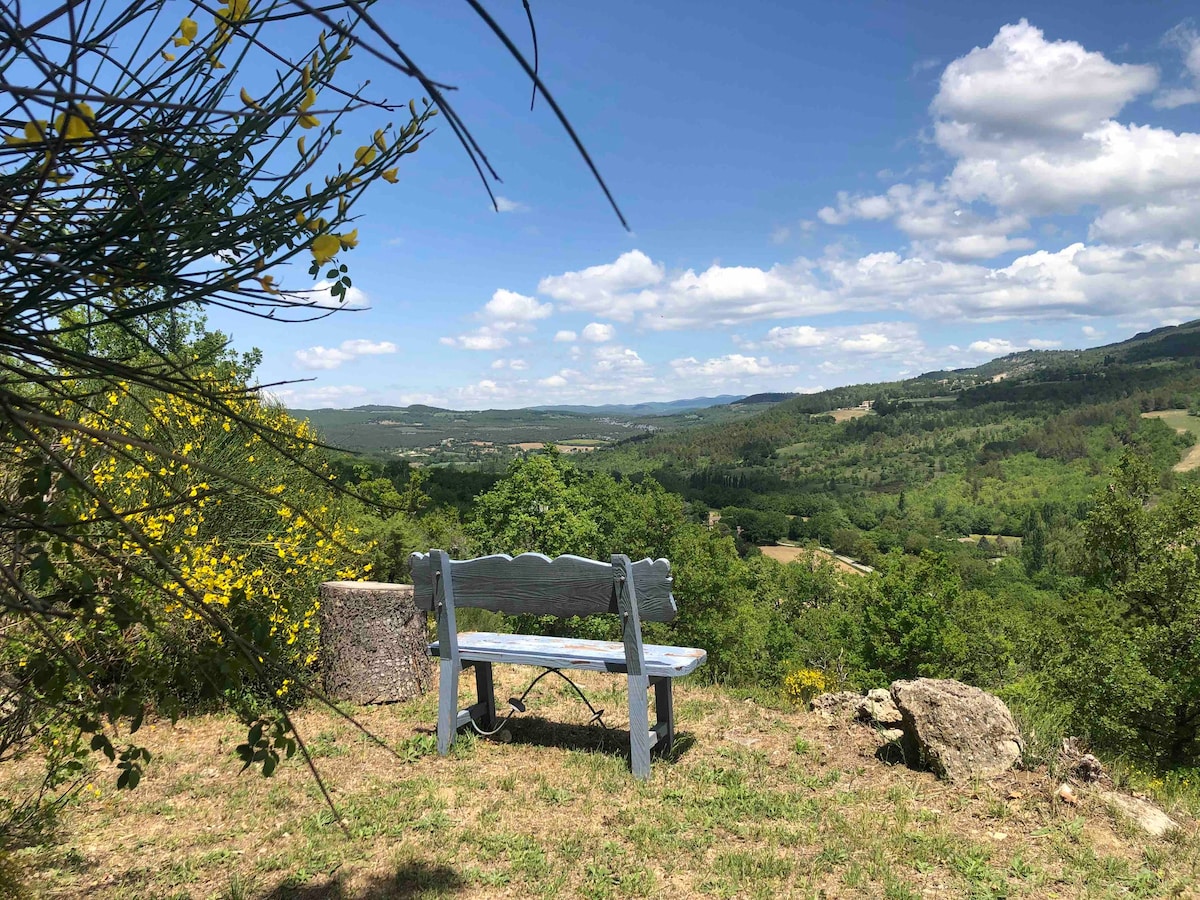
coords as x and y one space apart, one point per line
227 544
801 685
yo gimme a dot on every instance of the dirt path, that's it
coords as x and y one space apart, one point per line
1189 462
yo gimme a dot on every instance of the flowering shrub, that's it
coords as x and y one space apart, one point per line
187 507
801 685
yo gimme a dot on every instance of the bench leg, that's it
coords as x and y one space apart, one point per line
447 705
485 693
639 726
664 712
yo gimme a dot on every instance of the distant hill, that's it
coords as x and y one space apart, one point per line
973 451
1145 362
764 398
650 409
1169 342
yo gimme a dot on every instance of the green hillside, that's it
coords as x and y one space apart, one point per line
446 435
984 450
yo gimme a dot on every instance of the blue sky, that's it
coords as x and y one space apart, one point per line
819 194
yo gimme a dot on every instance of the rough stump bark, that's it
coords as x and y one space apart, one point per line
373 642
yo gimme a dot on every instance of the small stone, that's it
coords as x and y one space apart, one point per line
892 735
744 739
1143 813
1067 795
999 836
1088 769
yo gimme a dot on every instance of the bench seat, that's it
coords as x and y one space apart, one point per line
572 653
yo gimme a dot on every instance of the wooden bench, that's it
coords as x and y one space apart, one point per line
563 587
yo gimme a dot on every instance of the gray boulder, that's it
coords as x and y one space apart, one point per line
879 708
958 731
841 703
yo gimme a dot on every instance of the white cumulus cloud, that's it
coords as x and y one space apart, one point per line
598 332
993 347
320 295
504 205
509 306
483 338
875 339
609 359
1186 40
1023 85
333 357
609 288
734 366
335 395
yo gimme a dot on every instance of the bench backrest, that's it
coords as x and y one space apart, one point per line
533 583
536 584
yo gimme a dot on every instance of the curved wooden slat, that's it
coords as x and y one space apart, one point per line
536 584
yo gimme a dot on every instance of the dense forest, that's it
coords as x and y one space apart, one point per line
1032 526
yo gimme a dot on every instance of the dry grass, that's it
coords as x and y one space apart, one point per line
786 554
845 415
562 448
757 802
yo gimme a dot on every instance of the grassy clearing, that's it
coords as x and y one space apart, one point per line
759 802
845 415
1183 423
786 553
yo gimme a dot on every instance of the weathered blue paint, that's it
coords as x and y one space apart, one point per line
572 653
538 585
565 586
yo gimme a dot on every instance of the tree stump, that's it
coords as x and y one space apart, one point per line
373 644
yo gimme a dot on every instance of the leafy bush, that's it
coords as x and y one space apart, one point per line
1130 668
218 536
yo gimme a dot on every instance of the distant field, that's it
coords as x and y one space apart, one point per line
565 447
1183 423
786 554
845 415
1007 541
